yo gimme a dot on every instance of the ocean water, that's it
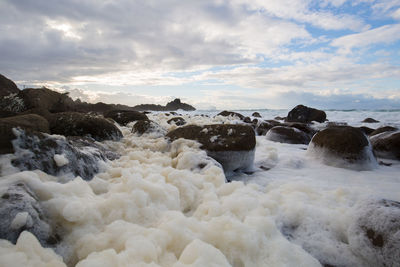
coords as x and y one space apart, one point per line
154 207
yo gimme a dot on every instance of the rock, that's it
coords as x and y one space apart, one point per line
233 146
21 211
383 129
278 118
125 116
30 122
366 130
263 128
374 235
302 127
77 124
305 114
7 113
179 121
335 123
177 104
387 144
148 126
370 120
46 99
57 155
256 114
285 134
230 113
247 120
343 146
7 87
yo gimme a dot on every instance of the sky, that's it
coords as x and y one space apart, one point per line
220 54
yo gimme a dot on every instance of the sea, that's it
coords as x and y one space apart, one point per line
154 207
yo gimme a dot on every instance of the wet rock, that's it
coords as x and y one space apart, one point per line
256 114
177 104
77 124
231 145
263 128
247 120
30 122
387 144
278 118
21 211
179 121
125 116
375 233
383 129
366 130
335 123
302 127
305 114
148 126
226 113
342 146
290 135
7 113
7 87
370 120
57 155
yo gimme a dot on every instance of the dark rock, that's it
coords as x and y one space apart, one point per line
7 87
21 211
230 113
177 104
30 122
7 113
278 118
335 123
302 127
179 121
387 144
77 124
148 126
366 130
125 116
375 233
263 128
247 120
285 134
305 114
370 120
46 99
231 145
383 129
343 146
256 114
57 155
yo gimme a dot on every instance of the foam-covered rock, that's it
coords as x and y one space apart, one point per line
290 135
125 116
179 121
231 145
77 124
342 146
305 114
387 144
226 113
375 232
147 126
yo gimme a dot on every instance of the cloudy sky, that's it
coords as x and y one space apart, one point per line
220 54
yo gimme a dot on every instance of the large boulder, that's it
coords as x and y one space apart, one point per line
148 127
226 113
77 124
374 234
387 144
286 134
125 116
233 146
21 211
7 87
305 114
177 104
342 146
31 122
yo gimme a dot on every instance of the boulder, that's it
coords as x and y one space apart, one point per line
256 114
226 113
370 120
7 87
305 114
77 124
383 129
247 120
366 130
148 126
179 121
387 144
233 146
20 210
302 127
57 155
278 118
125 116
290 135
177 104
374 234
342 146
263 128
31 122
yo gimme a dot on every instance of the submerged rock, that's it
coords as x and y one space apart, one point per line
366 130
375 233
305 114
179 121
342 146
285 134
123 117
370 120
148 126
21 211
387 144
231 145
